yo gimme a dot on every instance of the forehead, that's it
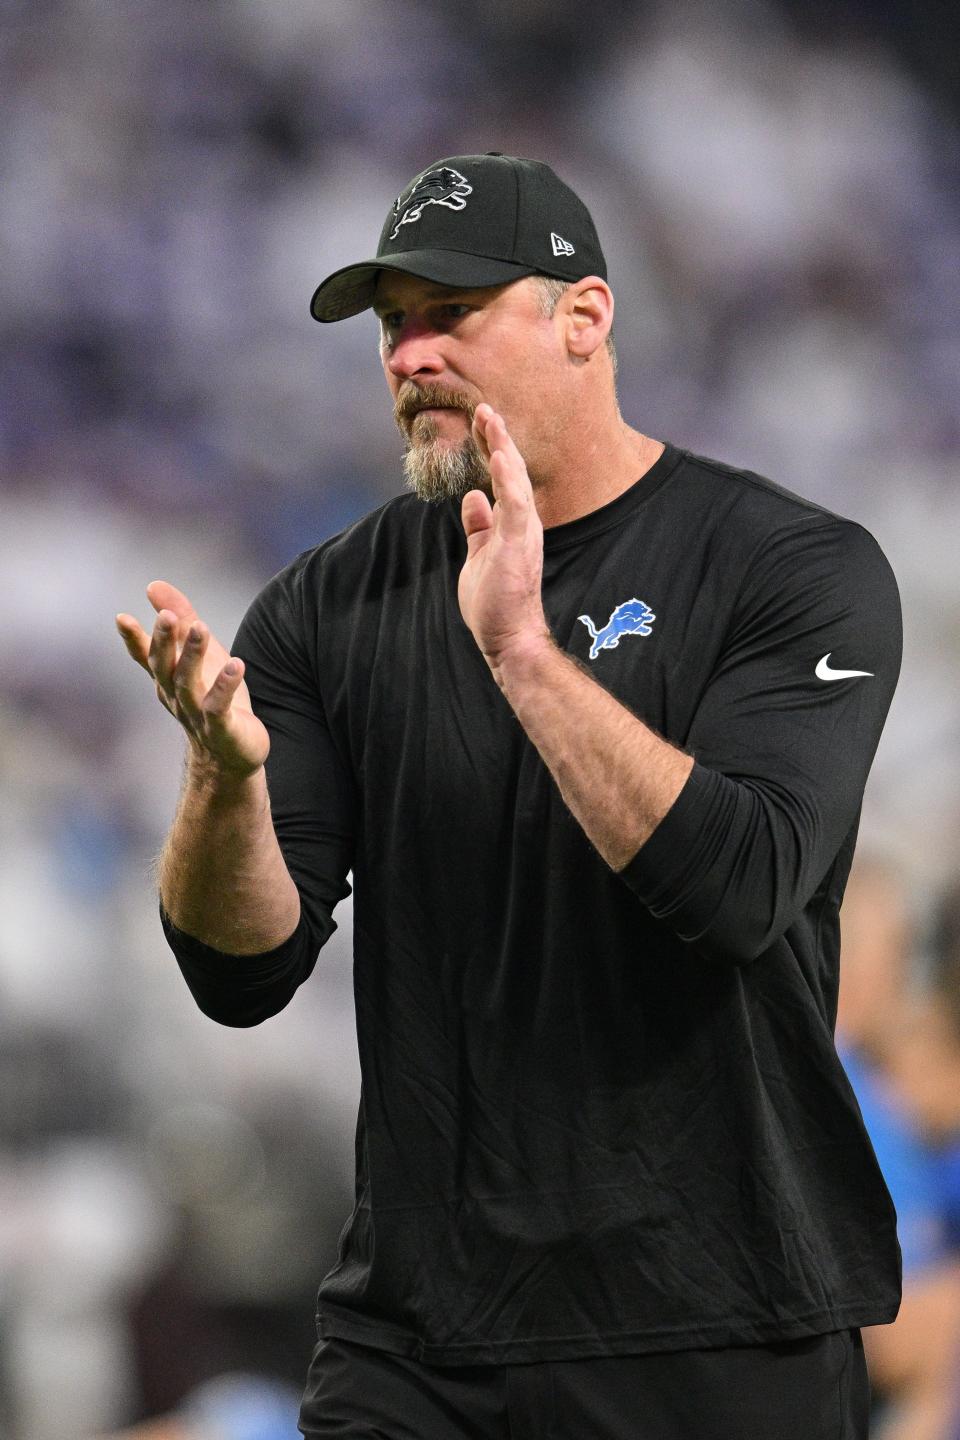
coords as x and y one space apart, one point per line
394 289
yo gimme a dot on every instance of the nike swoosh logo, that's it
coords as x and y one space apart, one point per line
824 671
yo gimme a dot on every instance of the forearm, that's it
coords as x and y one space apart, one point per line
222 875
616 775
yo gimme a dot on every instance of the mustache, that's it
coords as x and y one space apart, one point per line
414 398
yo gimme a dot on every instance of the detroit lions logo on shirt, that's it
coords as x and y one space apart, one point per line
631 617
445 186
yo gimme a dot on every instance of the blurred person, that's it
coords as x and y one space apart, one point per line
229 1407
608 1163
891 1055
940 1100
928 1055
257 1201
943 1115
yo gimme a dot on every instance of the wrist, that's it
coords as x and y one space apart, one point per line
207 774
523 658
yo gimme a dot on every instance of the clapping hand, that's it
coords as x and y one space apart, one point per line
499 588
198 681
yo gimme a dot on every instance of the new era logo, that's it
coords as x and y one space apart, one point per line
561 246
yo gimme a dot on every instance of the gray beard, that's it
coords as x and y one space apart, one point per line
435 471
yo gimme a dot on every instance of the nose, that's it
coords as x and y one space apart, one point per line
413 350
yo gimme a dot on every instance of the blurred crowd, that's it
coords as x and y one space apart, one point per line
776 190
898 1033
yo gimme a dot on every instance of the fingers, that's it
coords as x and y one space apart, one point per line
159 648
176 669
164 596
219 697
483 418
494 438
135 638
181 676
508 473
186 671
183 657
487 420
162 655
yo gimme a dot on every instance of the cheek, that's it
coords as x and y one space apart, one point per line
528 390
393 384
506 374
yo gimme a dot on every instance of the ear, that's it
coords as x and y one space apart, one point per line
588 311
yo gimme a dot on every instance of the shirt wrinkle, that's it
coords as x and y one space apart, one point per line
601 1113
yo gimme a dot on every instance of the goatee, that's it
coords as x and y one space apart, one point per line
435 469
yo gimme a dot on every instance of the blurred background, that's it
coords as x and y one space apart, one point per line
776 186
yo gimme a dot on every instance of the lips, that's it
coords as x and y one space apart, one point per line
431 410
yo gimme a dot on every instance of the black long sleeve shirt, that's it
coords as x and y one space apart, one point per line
602 1113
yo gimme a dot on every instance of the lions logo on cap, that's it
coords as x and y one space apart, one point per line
438 187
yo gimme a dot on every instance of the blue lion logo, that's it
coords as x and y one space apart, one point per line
632 617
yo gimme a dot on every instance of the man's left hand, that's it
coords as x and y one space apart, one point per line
500 582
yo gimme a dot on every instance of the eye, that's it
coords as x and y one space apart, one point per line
455 311
392 319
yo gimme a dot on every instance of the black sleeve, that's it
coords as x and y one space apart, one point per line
782 755
313 807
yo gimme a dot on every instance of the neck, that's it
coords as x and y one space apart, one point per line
598 463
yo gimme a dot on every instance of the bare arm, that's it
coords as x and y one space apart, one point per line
616 775
726 850
223 878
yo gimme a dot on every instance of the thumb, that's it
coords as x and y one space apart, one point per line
477 518
164 596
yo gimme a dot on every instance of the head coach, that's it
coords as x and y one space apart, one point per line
589 719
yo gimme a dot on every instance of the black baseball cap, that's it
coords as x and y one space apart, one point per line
469 221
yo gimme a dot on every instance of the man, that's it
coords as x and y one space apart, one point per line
591 729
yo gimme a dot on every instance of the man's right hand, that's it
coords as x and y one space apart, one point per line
198 682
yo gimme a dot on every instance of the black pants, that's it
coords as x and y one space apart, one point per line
813 1389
